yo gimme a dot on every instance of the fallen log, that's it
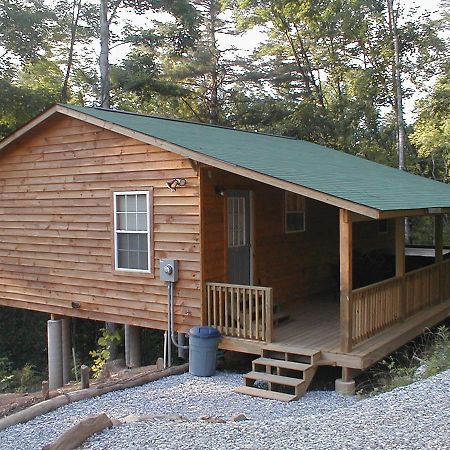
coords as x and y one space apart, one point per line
76 435
84 394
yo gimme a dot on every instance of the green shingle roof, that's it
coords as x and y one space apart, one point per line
309 165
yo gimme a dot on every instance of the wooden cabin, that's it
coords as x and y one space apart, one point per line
294 251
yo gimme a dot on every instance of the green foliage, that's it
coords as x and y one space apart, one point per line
6 377
431 134
18 380
101 355
24 28
426 357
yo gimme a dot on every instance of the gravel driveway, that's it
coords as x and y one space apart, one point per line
414 417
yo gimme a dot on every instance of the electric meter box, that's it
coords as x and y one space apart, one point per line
168 270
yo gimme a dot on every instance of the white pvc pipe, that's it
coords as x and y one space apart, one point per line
172 320
55 365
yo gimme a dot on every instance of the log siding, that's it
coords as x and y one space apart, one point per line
56 246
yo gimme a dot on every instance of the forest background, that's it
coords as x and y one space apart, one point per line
335 72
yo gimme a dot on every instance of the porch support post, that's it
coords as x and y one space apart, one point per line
400 261
438 238
132 346
55 355
346 279
439 251
346 385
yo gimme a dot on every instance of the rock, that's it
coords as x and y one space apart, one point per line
133 418
421 372
239 418
112 367
212 419
116 422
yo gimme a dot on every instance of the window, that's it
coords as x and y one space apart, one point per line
132 231
236 222
295 212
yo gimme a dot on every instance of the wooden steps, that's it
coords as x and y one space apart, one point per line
274 379
280 363
281 373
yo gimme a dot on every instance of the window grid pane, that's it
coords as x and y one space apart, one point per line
132 233
294 212
236 222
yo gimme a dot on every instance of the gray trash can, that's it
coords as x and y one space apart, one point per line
203 342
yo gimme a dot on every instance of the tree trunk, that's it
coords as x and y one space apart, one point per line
73 33
112 345
214 108
105 85
398 95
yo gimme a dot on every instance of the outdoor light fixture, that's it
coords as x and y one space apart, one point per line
176 182
219 190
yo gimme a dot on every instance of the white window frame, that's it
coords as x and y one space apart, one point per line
286 212
148 232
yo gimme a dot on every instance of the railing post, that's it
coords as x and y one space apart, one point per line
269 314
400 262
346 280
439 252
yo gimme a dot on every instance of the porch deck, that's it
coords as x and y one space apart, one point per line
315 326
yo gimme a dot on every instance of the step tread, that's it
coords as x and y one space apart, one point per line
282 364
271 395
291 349
277 379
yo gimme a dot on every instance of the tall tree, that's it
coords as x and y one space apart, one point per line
397 83
105 23
181 10
25 31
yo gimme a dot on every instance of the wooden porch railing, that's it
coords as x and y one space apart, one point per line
375 307
378 306
240 311
422 289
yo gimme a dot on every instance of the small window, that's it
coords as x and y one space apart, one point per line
132 231
295 212
382 226
236 222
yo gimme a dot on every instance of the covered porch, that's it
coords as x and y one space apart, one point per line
303 279
353 331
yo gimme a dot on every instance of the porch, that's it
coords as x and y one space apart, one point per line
323 278
384 316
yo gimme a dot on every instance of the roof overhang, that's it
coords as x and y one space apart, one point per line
363 212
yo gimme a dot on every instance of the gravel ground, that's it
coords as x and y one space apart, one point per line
414 417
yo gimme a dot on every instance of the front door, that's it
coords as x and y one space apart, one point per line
239 237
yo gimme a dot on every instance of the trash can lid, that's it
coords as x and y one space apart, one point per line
204 332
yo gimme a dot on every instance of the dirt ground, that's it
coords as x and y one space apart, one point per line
115 371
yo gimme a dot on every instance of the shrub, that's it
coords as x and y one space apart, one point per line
425 357
101 355
18 380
